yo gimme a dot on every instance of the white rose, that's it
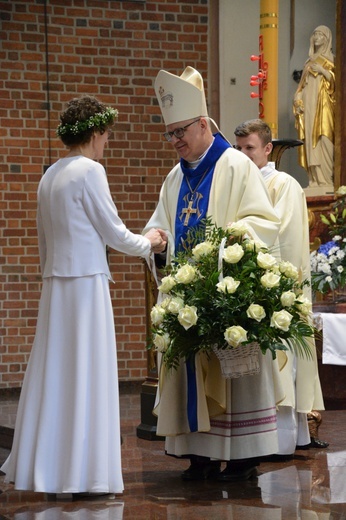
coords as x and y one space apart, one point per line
202 249
187 316
266 260
305 305
256 312
237 229
232 254
275 269
235 335
288 298
175 305
165 302
289 270
186 274
341 190
157 314
167 283
270 280
161 341
254 245
281 320
228 285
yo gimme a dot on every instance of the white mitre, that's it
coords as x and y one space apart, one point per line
180 97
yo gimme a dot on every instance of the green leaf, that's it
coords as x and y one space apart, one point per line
325 220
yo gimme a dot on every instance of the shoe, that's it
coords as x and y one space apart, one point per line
92 496
202 470
58 496
303 446
317 443
238 471
276 457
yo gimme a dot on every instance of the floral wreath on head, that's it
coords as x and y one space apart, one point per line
97 121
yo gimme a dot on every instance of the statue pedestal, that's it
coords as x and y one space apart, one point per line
319 191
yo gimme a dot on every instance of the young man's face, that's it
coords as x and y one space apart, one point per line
253 147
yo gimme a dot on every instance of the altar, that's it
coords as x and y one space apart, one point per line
331 350
333 327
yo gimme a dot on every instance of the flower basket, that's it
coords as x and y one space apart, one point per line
237 362
224 288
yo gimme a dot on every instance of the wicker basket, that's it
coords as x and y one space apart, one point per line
237 362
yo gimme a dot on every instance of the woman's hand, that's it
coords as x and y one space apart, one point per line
316 67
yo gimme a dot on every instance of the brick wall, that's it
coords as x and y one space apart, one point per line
50 52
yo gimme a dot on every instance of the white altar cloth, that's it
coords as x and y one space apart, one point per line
334 337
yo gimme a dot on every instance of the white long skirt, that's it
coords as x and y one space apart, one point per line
67 432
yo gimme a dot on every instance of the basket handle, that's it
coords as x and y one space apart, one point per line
221 251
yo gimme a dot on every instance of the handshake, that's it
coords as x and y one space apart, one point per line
158 240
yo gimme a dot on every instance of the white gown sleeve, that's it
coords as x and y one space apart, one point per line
103 214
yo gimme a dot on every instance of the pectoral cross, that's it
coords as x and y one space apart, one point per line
188 212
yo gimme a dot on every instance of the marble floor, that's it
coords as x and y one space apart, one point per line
312 486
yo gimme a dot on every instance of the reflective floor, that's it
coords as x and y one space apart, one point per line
310 487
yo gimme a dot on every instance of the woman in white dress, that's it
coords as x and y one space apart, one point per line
67 432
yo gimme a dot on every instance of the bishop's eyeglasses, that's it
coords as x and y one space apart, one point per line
179 132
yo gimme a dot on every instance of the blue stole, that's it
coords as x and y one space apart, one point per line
200 180
192 206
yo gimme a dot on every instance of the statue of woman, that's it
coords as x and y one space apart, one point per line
314 106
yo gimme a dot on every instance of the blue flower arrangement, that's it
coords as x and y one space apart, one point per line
328 263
